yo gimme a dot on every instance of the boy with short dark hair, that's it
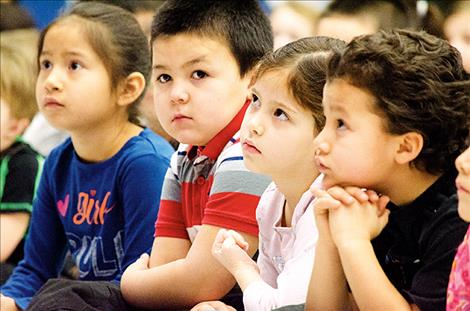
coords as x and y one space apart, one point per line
397 108
204 56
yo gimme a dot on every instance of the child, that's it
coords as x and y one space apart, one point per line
396 107
458 292
99 191
201 94
346 19
292 20
277 135
20 165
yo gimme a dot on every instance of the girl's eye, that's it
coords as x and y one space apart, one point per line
255 102
198 74
75 66
45 64
281 115
163 78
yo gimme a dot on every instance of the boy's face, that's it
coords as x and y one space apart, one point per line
463 184
277 134
353 148
8 126
197 86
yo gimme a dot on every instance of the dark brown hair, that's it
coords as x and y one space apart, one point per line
307 61
239 24
116 38
419 85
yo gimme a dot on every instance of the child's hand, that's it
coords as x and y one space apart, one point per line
230 249
321 205
140 264
211 306
7 304
348 194
358 220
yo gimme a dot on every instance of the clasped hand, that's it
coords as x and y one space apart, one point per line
349 214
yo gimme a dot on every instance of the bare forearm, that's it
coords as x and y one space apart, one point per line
246 275
371 288
172 285
327 289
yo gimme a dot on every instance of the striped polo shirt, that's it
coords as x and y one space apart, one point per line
210 185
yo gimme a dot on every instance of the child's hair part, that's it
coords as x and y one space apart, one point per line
116 38
241 25
419 85
18 71
307 62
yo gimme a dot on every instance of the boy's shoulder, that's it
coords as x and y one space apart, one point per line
20 151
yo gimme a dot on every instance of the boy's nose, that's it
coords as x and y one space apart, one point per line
179 95
321 144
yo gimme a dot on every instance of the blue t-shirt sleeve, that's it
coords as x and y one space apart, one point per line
141 185
44 248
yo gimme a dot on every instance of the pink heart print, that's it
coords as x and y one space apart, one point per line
62 206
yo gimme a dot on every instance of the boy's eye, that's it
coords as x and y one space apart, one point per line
198 74
340 124
45 64
281 115
75 66
163 78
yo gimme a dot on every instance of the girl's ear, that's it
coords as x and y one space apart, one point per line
410 145
131 88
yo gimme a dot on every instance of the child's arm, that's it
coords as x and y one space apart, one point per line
327 289
140 187
230 249
12 230
184 282
352 228
44 249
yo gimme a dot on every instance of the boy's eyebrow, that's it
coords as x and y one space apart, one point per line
189 63
337 108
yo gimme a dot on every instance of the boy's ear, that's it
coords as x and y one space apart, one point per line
410 145
131 88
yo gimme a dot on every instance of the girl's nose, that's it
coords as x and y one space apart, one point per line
53 83
255 125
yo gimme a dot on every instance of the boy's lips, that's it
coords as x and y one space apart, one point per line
461 188
322 168
179 116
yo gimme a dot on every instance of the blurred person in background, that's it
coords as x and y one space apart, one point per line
457 29
346 19
292 20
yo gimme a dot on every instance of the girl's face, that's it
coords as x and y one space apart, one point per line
277 133
73 88
463 184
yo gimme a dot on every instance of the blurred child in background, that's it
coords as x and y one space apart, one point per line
20 165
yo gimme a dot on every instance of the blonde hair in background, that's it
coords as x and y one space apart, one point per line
18 71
